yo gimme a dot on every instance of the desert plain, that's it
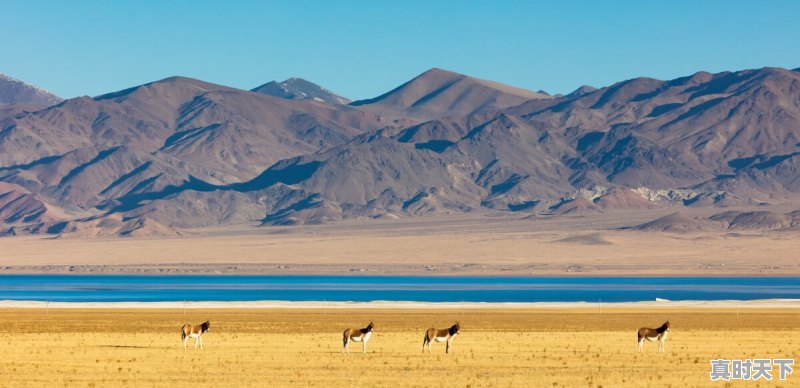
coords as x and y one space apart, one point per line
561 345
557 347
483 244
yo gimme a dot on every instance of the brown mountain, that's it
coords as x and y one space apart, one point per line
642 133
735 221
756 220
85 152
437 93
676 223
182 153
701 128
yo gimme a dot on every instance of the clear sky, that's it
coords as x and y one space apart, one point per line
363 48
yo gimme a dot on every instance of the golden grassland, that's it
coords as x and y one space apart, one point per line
280 347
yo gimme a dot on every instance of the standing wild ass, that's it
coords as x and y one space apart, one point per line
447 335
361 335
659 334
196 332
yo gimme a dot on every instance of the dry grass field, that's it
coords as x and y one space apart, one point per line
282 347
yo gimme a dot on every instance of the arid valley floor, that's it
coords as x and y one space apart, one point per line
281 347
567 245
547 347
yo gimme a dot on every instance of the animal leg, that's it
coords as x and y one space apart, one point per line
364 347
201 343
185 341
641 343
447 349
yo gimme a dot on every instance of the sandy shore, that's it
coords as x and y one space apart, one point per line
275 304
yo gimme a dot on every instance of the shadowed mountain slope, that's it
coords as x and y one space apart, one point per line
86 151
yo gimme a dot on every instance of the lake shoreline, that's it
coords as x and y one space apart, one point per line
268 291
390 305
347 271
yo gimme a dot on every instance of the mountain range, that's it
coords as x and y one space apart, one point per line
180 153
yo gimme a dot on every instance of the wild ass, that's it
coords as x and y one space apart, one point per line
361 335
659 334
196 332
446 335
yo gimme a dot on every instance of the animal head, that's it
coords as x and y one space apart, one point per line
206 325
666 324
370 326
455 328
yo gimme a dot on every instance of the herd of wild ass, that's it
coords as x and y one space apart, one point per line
431 335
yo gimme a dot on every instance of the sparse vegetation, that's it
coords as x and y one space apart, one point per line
557 348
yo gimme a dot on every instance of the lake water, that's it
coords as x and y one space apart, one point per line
115 288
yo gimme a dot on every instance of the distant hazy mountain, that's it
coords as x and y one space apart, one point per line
764 220
300 89
14 91
182 153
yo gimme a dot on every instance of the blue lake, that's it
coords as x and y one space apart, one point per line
114 288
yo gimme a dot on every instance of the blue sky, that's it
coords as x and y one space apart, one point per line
363 48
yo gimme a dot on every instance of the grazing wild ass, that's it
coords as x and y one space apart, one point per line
361 335
659 334
196 332
448 335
